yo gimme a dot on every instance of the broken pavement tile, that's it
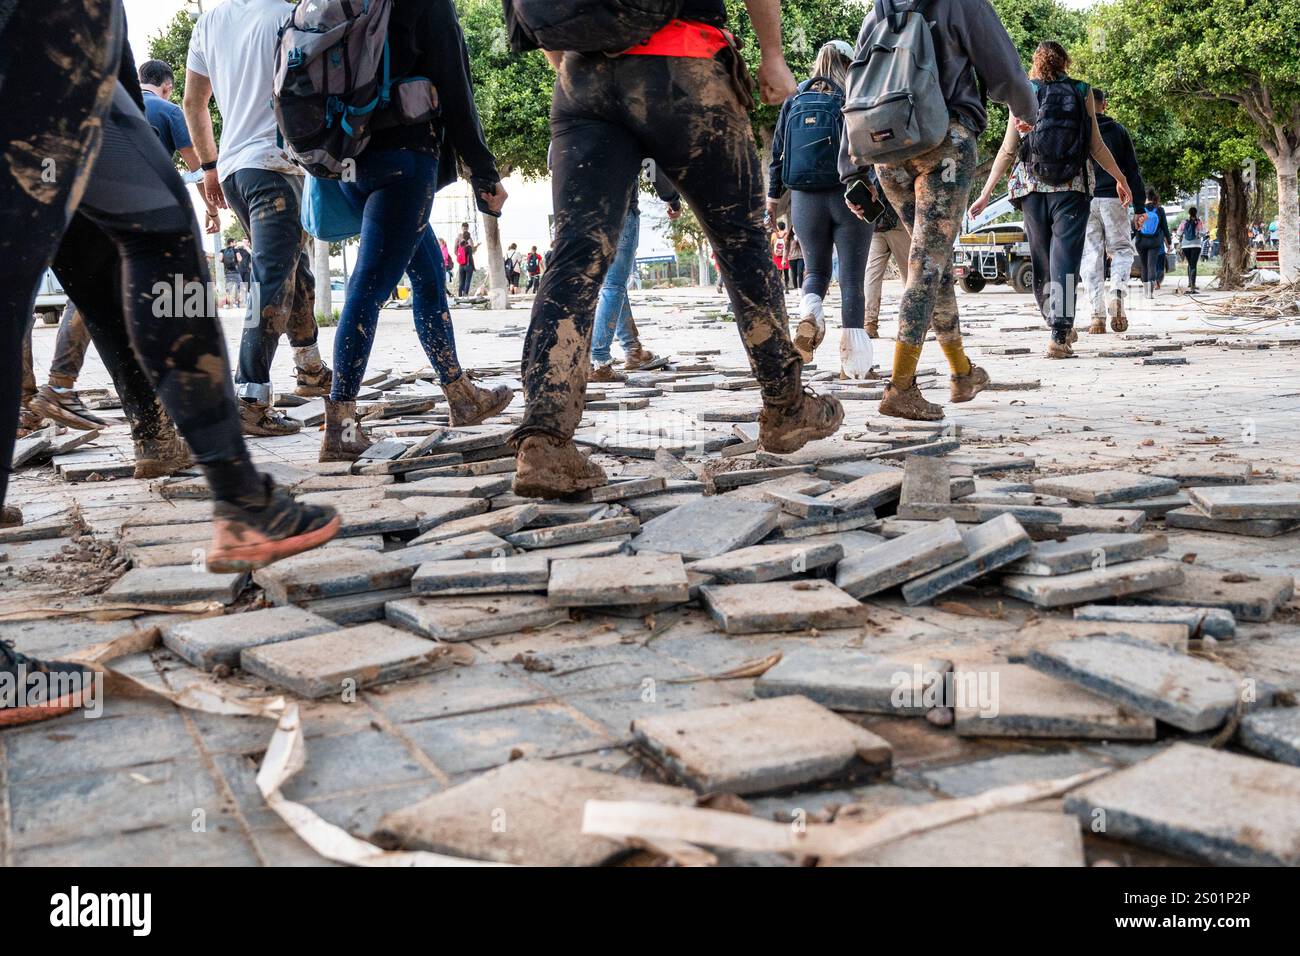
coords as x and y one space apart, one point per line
1103 487
1273 733
1248 597
848 679
330 572
1009 838
499 575
926 480
890 564
1084 552
575 533
617 580
469 617
1199 621
1233 502
989 546
781 606
759 746
708 527
1080 587
769 562
212 641
499 522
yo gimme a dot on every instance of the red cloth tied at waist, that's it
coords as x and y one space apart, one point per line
683 38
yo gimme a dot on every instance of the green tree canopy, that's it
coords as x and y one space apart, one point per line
171 44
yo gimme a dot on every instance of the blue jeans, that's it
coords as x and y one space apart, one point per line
613 311
393 192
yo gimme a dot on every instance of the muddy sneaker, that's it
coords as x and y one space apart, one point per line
1118 317
313 384
1059 350
605 373
28 422
65 408
470 404
965 387
262 421
786 428
159 457
637 357
908 403
812 327
547 467
32 690
1098 326
344 438
248 537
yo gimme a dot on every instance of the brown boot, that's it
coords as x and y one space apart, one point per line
11 516
1059 350
637 357
547 467
313 384
1098 326
908 403
163 455
344 438
965 387
1118 317
605 373
260 420
470 404
787 428
872 327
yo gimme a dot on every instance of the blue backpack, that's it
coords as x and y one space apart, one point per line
1151 224
813 126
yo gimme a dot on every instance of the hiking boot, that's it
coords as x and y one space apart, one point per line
637 357
965 387
313 384
64 407
786 428
470 404
161 456
260 420
33 690
812 327
1098 326
547 467
1059 350
1118 317
11 516
247 537
605 373
344 438
872 327
908 403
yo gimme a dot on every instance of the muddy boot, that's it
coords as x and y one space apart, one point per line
1059 350
908 403
470 404
605 373
63 406
812 327
52 688
162 455
313 376
637 357
260 420
873 328
1118 317
965 387
247 536
28 422
11 516
1098 326
344 438
786 428
547 467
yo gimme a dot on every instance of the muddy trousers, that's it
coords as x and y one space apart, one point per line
282 300
393 194
58 64
131 260
895 243
1055 225
825 225
1110 233
929 193
609 113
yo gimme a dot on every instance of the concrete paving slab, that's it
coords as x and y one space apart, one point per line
1199 621
210 642
1049 631
1101 487
329 572
1084 552
901 559
989 546
503 575
469 617
176 585
1081 587
1011 838
969 779
1194 519
618 579
769 562
781 606
499 522
1248 597
1273 733
575 533
848 679
708 527
1280 500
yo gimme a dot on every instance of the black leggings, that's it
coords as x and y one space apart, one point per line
1150 250
1193 255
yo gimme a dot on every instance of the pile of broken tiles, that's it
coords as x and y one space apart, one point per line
803 582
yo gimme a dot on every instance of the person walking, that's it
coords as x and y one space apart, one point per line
397 174
778 254
1153 241
533 266
805 155
607 111
157 82
1191 234
512 263
1051 184
796 259
1110 225
232 59
889 240
975 56
465 248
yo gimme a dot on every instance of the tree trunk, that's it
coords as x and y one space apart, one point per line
1234 240
321 266
1288 214
498 290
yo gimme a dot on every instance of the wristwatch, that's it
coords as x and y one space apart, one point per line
208 167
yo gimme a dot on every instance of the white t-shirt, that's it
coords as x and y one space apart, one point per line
233 45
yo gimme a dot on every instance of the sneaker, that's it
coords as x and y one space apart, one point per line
313 384
965 387
159 457
248 537
469 405
32 690
1059 350
547 467
605 373
28 422
262 421
787 428
65 408
1098 326
908 403
637 357
812 327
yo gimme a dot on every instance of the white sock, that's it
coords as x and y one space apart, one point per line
811 307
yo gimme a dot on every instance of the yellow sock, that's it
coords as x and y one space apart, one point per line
956 357
905 359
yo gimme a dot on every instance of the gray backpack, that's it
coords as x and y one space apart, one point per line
332 79
894 107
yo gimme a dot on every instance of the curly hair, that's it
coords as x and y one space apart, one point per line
1050 61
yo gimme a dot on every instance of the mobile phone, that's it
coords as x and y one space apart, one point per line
859 194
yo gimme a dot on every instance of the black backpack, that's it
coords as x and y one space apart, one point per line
585 26
1056 149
